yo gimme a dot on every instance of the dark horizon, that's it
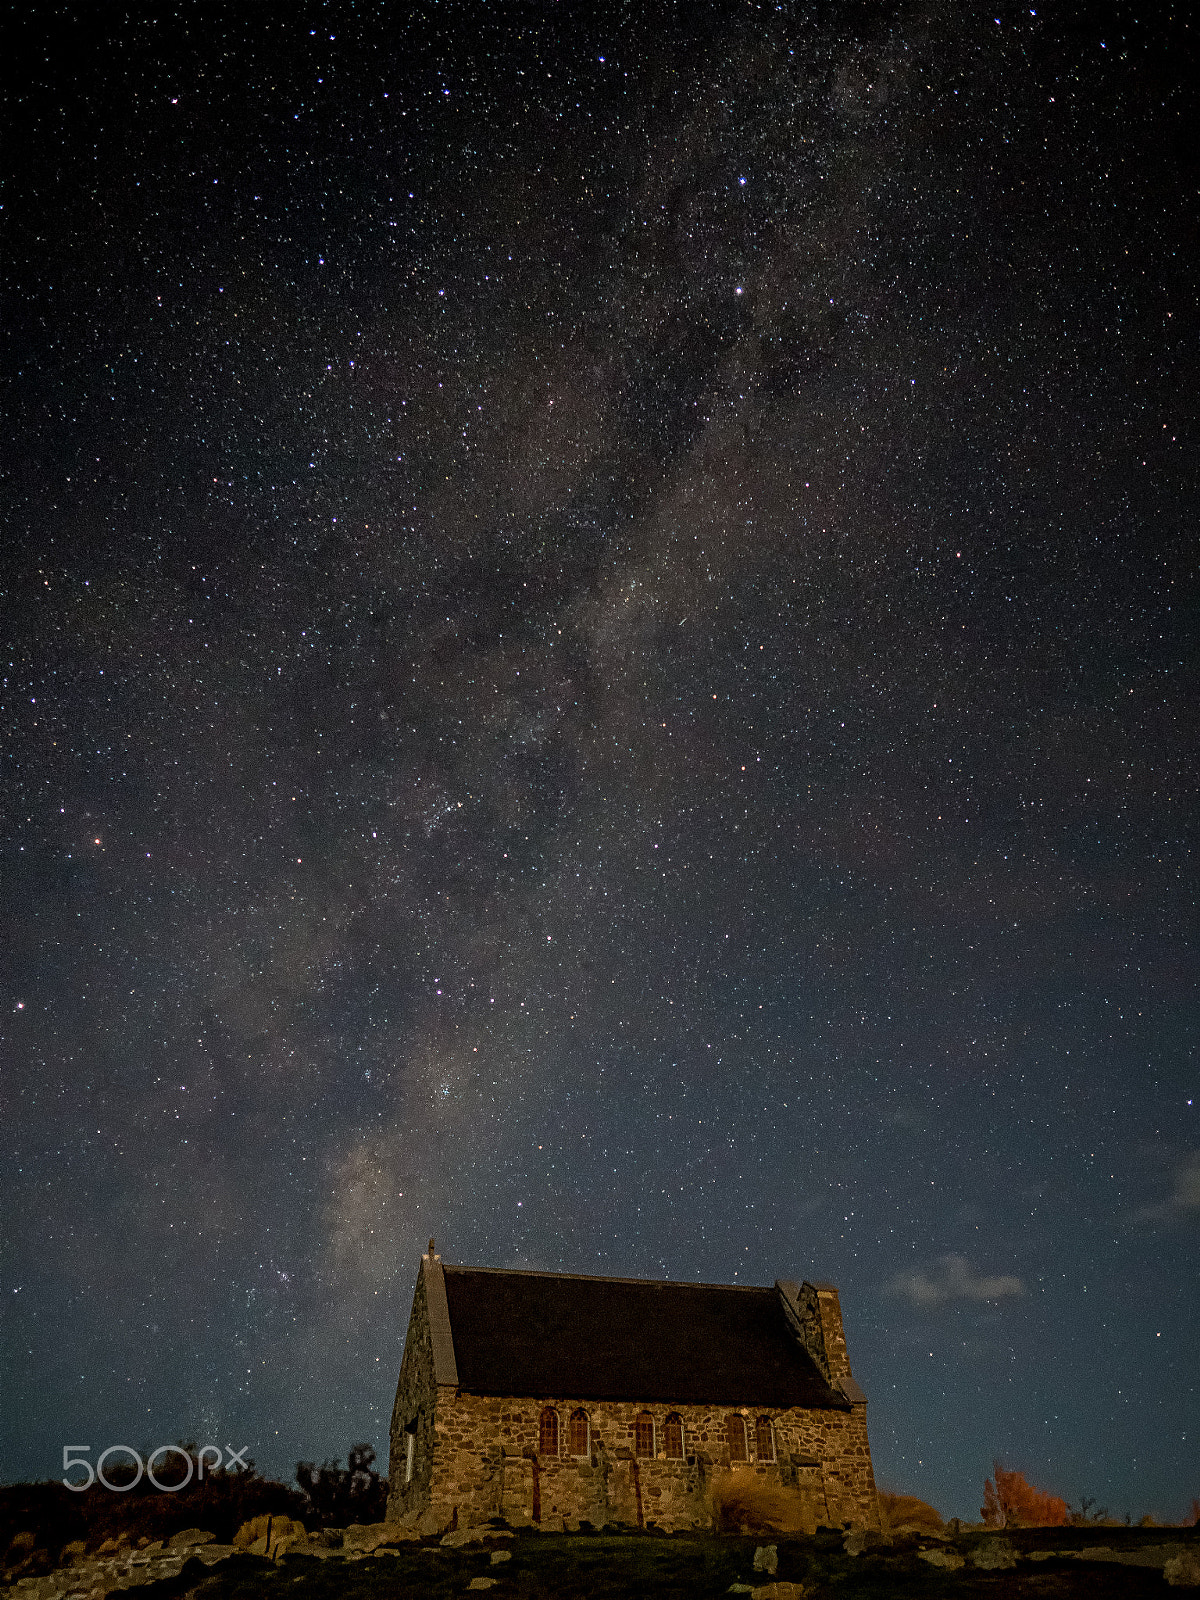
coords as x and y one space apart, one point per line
602 615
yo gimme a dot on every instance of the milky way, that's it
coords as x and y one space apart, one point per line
602 664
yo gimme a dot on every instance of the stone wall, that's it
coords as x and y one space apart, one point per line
486 1463
416 1402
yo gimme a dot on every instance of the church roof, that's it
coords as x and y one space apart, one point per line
557 1335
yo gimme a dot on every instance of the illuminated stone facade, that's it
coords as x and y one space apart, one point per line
461 1457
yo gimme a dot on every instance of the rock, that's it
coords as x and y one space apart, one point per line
992 1554
367 1536
271 1536
189 1537
482 1583
778 1591
460 1536
1183 1570
73 1552
500 1555
950 1560
766 1559
1146 1555
210 1554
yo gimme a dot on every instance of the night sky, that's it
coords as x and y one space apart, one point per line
600 662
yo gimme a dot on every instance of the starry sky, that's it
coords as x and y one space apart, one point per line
600 662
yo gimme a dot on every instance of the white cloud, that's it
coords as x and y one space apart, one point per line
1187 1184
954 1278
1184 1196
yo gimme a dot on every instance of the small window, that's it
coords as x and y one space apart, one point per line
737 1438
643 1435
410 1451
548 1433
764 1442
580 1435
673 1436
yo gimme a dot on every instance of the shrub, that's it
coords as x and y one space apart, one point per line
898 1511
1084 1516
55 1516
1010 1502
336 1496
743 1503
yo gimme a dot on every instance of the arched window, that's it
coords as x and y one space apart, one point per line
737 1438
548 1433
764 1441
643 1435
673 1436
580 1434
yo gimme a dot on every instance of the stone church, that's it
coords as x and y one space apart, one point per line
554 1400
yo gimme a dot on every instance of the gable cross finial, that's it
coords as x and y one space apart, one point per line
431 1249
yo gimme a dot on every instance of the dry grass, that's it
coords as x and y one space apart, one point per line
744 1504
898 1511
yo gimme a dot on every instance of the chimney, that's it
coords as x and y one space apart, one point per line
833 1336
814 1314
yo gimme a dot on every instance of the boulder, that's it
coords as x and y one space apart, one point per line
460 1536
367 1536
1183 1570
271 1536
949 1560
993 1554
188 1538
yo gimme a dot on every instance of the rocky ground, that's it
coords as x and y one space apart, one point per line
378 1562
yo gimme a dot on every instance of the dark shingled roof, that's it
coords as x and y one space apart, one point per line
535 1333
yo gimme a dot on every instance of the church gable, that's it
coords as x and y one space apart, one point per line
413 1414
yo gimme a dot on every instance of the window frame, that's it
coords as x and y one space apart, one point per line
410 1452
549 1415
674 1420
736 1420
579 1415
761 1424
639 1423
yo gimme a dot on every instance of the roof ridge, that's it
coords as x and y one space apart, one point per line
597 1277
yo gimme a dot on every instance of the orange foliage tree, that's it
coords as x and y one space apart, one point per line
1010 1502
